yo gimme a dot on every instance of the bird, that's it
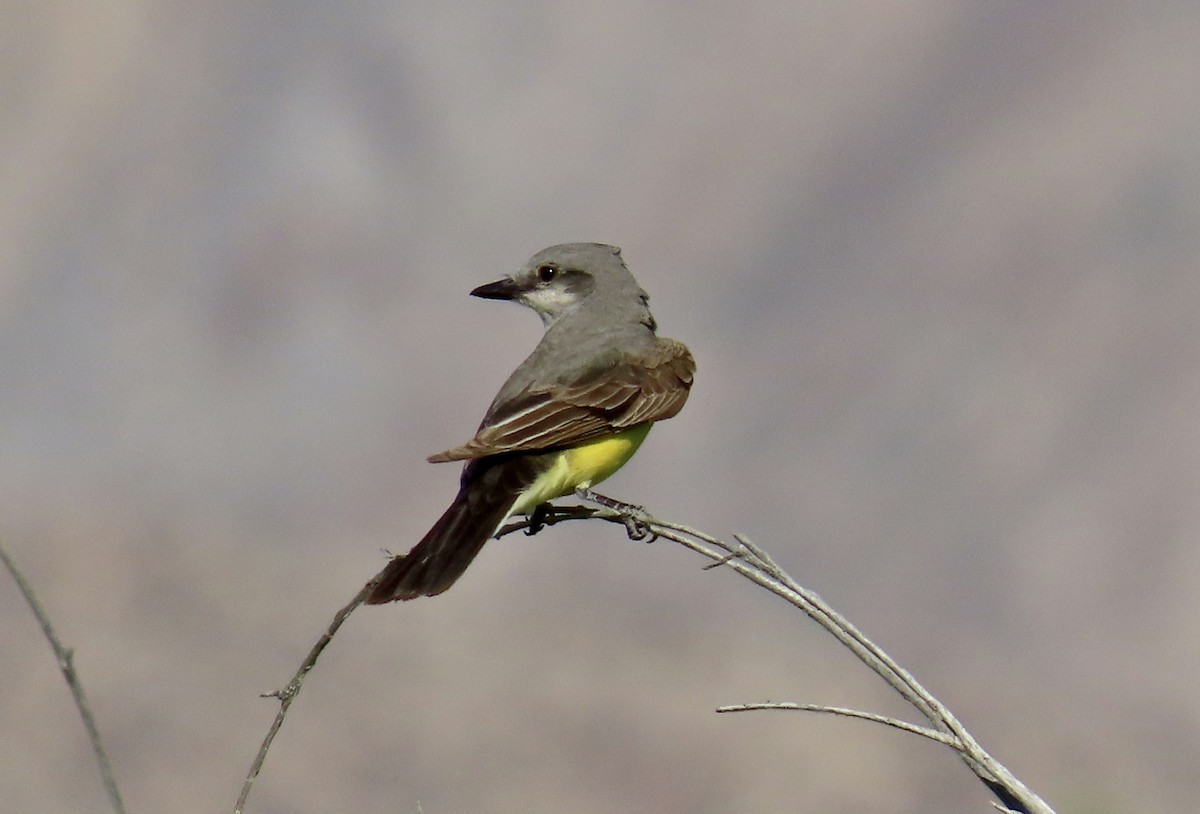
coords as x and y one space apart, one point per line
568 417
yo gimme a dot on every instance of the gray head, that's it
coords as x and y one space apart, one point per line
557 281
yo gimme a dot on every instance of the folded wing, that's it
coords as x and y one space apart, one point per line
651 387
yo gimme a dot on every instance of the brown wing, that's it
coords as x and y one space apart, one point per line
652 387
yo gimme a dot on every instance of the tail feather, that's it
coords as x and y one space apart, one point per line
489 489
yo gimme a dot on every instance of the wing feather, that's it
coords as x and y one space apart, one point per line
652 387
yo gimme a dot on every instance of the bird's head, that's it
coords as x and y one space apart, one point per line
557 281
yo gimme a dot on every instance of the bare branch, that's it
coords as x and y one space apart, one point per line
288 693
896 723
757 566
66 663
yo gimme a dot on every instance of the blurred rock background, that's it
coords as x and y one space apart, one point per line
937 261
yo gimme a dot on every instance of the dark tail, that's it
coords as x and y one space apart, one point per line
489 489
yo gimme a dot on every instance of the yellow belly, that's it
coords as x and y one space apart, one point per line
582 467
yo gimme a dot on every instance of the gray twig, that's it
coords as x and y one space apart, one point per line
288 693
905 726
66 662
756 565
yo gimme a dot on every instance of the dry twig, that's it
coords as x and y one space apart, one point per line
287 694
66 662
741 555
757 566
895 723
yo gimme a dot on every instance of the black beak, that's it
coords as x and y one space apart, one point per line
505 289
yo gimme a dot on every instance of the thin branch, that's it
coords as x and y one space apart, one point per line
757 566
66 663
895 723
288 693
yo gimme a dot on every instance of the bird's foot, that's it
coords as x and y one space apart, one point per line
632 516
537 519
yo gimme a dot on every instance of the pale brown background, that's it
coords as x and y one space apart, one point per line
937 262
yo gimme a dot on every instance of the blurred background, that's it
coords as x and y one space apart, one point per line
937 262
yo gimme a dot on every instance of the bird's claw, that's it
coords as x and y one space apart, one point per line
632 516
537 519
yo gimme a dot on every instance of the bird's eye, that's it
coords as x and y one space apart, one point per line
546 273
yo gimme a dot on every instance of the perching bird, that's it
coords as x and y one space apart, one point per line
568 417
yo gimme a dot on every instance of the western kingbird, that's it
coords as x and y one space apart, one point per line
568 417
